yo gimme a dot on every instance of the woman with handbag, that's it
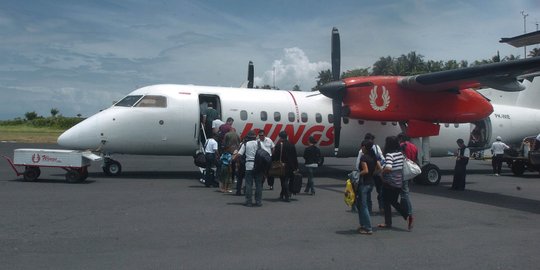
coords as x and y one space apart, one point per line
393 181
368 165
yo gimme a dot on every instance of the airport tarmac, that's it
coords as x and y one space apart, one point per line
157 215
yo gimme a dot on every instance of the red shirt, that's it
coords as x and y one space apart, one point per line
410 151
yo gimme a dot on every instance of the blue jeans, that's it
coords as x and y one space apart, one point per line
362 204
310 185
251 177
405 196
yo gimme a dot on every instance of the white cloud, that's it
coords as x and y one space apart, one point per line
294 68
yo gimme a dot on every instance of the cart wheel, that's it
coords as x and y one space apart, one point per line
73 176
31 174
112 168
518 168
84 174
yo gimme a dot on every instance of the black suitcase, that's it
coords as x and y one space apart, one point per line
296 185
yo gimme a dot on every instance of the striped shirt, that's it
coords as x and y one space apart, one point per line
394 161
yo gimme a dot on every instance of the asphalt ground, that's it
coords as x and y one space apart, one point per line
157 215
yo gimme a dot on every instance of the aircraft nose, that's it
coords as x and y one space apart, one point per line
81 136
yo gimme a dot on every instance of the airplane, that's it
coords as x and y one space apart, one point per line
434 108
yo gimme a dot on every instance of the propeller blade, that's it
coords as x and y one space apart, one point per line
250 75
336 54
336 108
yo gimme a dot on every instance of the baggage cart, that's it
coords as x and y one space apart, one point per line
74 162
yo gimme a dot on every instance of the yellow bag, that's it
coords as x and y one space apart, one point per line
349 193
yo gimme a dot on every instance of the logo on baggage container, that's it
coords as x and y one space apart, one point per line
36 158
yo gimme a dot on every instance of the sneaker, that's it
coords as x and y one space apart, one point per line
248 204
258 204
410 221
271 187
496 174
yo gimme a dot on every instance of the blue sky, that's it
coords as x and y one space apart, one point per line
80 56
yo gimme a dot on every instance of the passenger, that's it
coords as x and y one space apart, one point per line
225 171
526 147
231 144
240 161
497 151
268 145
368 165
376 177
291 164
460 170
212 153
208 117
411 152
216 124
249 148
312 155
392 182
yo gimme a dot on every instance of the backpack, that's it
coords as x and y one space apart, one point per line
263 160
225 159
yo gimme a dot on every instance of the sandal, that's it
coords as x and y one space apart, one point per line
384 226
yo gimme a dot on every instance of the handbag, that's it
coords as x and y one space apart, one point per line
278 168
410 169
349 193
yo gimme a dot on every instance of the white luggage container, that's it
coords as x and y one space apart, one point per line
74 162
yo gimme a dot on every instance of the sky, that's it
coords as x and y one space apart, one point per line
80 56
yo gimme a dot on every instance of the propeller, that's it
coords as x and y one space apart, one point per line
336 89
250 75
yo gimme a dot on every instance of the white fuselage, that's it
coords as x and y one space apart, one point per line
175 128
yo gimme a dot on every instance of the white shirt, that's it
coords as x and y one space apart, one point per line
267 145
538 137
217 123
497 148
249 149
211 146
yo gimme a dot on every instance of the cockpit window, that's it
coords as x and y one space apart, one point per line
153 101
128 101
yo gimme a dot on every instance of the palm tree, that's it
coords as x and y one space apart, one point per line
534 52
54 112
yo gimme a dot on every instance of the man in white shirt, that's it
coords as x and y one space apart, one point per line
249 149
212 153
497 150
268 145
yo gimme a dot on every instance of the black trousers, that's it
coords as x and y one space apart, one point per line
460 173
390 198
496 163
286 181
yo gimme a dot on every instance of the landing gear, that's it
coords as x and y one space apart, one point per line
111 167
431 175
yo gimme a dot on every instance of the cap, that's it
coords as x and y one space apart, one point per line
499 138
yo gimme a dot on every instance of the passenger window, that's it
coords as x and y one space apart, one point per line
446 125
243 115
152 102
128 101
291 117
304 117
361 122
277 116
318 117
345 120
330 118
264 116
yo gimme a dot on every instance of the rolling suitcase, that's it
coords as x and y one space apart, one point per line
296 185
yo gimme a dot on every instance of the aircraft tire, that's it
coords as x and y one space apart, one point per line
431 175
112 168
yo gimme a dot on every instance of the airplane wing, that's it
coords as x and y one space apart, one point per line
501 76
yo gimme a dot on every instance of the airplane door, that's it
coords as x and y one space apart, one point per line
205 101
